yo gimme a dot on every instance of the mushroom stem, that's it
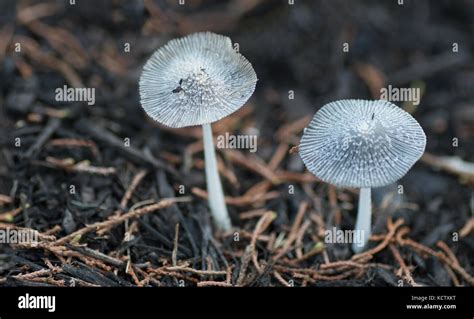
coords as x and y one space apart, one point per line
214 186
363 224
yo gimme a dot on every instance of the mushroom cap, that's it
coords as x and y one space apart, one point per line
361 144
195 80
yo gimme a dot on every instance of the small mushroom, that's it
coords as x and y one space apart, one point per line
361 144
197 80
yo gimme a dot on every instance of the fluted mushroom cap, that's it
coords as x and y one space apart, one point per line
195 80
358 143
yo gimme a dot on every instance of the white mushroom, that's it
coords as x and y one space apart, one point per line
197 80
361 144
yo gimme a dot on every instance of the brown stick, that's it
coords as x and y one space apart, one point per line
262 224
402 264
118 220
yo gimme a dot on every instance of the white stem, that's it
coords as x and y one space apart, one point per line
214 186
363 224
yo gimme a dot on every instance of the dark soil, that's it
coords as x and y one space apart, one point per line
66 166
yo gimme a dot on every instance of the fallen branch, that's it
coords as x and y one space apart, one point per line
450 164
116 220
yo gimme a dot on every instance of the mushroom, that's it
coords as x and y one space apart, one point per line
361 144
197 80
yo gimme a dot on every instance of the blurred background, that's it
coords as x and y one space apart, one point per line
305 54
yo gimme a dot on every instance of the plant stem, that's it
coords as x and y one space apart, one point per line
214 186
363 224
